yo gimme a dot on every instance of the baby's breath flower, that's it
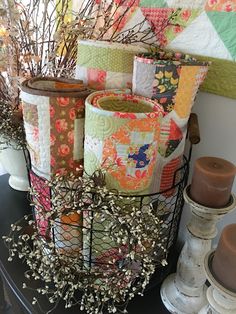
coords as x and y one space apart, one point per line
124 226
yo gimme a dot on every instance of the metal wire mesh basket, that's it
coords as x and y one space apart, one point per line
105 245
87 238
84 234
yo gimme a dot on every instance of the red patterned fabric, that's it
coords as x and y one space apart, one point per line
158 19
63 112
167 178
43 203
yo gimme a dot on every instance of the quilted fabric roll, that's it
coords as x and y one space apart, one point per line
172 79
105 65
122 136
53 112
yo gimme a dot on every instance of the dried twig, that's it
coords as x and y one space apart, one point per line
40 38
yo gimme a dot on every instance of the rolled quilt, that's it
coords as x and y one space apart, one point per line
53 112
106 65
172 79
122 136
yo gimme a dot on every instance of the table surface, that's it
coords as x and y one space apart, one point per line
13 206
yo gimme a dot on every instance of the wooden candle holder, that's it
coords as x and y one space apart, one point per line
185 291
220 299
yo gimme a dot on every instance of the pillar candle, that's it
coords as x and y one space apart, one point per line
224 260
212 181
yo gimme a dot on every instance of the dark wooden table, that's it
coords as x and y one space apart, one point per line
13 206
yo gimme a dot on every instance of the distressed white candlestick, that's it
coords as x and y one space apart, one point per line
220 299
185 292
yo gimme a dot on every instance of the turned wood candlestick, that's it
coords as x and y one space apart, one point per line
185 292
220 299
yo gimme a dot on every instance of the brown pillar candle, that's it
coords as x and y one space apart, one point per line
212 181
224 260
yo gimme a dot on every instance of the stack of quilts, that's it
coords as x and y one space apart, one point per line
136 136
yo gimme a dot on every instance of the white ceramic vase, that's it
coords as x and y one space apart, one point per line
14 163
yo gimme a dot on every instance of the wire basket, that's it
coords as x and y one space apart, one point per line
83 234
86 238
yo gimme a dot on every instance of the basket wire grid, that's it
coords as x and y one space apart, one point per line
80 244
85 237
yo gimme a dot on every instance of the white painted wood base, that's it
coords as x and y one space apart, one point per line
179 303
185 291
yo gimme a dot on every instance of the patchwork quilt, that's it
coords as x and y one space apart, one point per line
103 65
172 79
122 136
